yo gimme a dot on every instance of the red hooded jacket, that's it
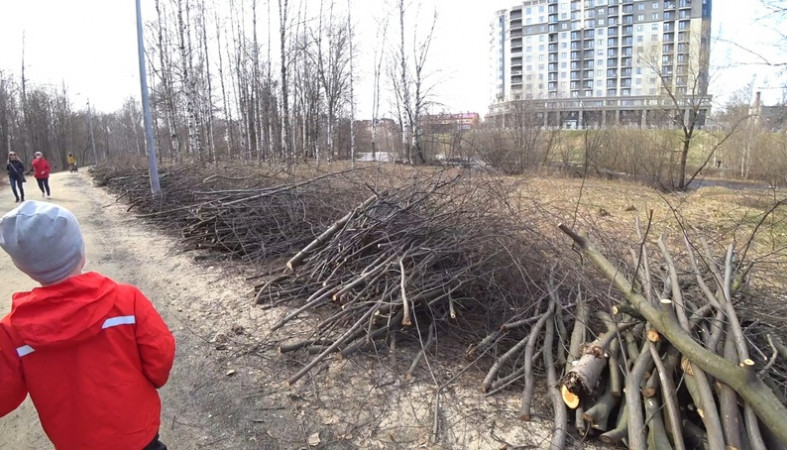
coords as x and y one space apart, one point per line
91 353
41 168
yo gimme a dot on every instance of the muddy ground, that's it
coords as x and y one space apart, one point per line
227 387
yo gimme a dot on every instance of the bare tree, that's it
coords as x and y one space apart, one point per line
333 68
165 78
188 79
350 34
379 55
411 91
684 102
287 144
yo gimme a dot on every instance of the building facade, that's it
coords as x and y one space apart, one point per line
448 123
594 63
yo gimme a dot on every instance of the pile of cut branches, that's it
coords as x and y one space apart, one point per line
671 361
446 258
247 217
678 366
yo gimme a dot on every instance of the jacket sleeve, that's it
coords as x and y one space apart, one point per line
154 340
12 385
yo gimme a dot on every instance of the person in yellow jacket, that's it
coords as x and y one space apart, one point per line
72 163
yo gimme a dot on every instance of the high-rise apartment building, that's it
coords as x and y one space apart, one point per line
593 63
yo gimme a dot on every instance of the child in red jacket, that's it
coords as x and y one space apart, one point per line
41 173
91 352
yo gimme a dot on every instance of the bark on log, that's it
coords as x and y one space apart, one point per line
668 394
657 435
636 421
559 433
527 393
598 414
620 432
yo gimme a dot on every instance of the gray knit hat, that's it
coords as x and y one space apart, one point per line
43 240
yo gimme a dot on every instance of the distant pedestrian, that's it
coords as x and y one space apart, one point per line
91 352
72 163
16 176
41 172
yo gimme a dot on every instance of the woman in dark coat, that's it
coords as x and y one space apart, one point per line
16 175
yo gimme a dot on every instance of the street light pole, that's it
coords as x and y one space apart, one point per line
155 188
90 128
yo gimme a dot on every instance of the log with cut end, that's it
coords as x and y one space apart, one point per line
581 379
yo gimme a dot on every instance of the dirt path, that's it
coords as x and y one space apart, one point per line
199 398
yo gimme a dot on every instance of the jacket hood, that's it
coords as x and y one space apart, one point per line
65 313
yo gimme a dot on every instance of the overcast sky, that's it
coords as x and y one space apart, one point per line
91 47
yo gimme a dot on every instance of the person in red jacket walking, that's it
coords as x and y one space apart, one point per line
41 173
91 352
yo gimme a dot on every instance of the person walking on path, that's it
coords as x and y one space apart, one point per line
72 163
41 173
91 352
16 176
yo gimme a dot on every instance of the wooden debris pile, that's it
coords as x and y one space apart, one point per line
421 262
677 366
669 361
251 218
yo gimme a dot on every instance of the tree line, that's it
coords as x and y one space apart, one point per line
240 80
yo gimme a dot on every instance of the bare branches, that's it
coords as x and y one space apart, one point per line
697 360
